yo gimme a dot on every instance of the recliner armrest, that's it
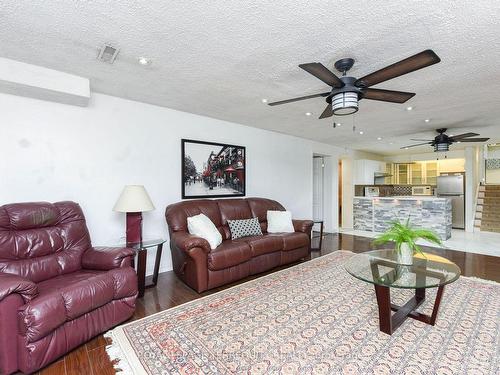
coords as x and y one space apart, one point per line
185 241
303 226
107 258
10 284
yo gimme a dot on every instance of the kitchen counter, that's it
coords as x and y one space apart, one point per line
407 197
375 214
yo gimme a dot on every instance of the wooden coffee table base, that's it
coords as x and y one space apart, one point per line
389 322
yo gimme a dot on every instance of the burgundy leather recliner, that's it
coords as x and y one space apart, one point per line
203 268
56 290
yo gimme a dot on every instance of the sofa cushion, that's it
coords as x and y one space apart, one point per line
279 222
244 228
260 206
263 244
66 297
233 209
42 240
293 241
201 226
177 213
229 253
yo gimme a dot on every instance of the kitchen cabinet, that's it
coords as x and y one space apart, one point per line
402 174
365 169
422 172
431 172
417 173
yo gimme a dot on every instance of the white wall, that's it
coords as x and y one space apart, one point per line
53 152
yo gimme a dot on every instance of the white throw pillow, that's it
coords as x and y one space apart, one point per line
201 226
279 222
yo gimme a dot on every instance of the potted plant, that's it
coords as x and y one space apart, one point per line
405 237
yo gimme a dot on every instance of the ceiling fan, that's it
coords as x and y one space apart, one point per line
442 141
346 91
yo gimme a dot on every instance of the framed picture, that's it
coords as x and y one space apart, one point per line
212 170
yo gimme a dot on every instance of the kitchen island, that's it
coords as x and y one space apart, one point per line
375 214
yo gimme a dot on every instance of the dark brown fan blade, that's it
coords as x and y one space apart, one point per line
408 65
418 139
320 71
328 112
461 136
300 98
418 144
387 95
473 140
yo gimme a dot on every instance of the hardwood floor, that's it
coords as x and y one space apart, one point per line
91 358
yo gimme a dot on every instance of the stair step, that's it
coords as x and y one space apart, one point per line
490 225
490 230
490 194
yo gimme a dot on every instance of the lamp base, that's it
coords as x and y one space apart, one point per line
134 227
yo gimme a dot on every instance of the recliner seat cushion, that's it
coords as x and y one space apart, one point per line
228 254
293 241
263 244
69 296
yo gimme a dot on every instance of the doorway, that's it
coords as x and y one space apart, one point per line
318 191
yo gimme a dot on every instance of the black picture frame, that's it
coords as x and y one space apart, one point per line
223 175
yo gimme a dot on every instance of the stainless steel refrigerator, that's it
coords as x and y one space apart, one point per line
452 185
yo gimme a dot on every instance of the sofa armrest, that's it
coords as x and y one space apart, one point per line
107 258
185 241
303 226
10 284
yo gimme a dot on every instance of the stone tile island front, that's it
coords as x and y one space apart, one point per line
375 214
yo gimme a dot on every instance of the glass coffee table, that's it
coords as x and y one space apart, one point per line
382 269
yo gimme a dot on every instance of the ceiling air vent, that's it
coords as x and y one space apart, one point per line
108 54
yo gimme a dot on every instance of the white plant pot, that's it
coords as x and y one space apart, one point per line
406 254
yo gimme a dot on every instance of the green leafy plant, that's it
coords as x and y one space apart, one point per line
401 233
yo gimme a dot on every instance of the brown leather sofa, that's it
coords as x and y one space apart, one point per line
202 268
56 290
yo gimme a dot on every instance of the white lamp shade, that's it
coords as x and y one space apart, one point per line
134 198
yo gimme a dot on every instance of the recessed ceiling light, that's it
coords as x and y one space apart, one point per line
361 132
459 142
427 120
409 108
144 61
264 100
379 138
339 124
308 113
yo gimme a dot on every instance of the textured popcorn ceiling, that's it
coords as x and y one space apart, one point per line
219 58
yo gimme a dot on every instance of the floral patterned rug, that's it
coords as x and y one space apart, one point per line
313 318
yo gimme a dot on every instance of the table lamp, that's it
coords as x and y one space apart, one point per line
134 200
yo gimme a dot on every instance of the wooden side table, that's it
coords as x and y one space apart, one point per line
321 223
141 249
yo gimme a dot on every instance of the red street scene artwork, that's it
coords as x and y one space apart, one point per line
212 169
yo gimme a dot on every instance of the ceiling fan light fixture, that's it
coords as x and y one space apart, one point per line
345 103
441 147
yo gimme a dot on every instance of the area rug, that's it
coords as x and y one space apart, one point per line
313 318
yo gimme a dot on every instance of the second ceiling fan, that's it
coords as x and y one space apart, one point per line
346 91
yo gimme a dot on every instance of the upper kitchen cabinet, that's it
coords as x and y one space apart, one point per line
423 172
365 171
417 173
